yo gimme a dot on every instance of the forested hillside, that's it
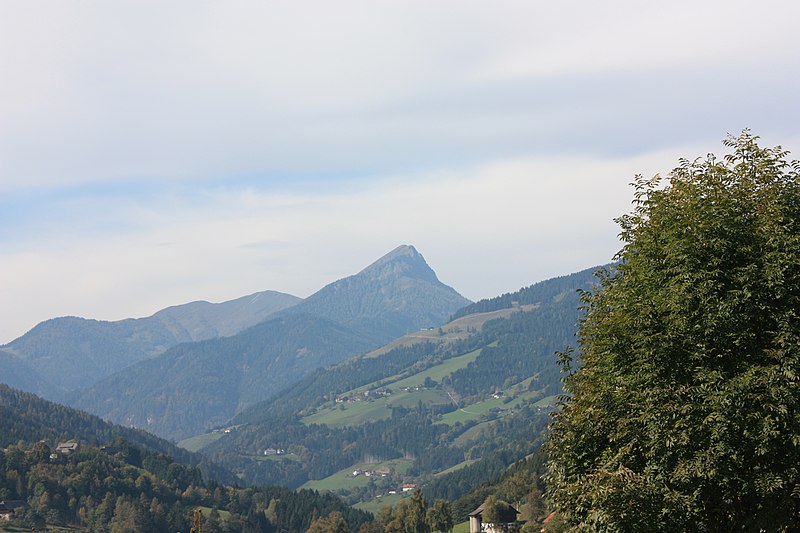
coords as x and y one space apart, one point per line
120 479
198 386
123 488
444 402
26 417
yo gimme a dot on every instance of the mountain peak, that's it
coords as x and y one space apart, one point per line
396 294
404 251
403 261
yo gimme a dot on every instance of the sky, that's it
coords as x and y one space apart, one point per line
156 153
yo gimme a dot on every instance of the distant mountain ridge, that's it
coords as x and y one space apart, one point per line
195 386
71 353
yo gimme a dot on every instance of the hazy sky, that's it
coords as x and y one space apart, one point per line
155 153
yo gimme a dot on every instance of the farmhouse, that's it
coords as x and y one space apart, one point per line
476 524
7 508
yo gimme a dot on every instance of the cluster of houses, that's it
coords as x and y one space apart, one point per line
378 393
374 393
406 487
274 451
382 472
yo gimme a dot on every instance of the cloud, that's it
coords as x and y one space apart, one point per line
153 153
485 229
200 90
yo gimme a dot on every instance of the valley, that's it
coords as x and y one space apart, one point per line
348 394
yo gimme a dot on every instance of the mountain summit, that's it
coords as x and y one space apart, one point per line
404 260
396 294
195 386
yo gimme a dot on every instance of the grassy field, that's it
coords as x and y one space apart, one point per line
472 433
373 506
436 373
453 468
198 442
225 515
473 411
547 401
344 479
352 414
463 527
454 331
358 412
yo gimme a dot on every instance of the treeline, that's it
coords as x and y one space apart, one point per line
125 488
541 292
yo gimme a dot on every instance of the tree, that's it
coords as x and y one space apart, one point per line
682 410
497 512
415 513
333 523
440 517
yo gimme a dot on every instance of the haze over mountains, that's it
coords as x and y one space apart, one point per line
191 367
386 370
68 353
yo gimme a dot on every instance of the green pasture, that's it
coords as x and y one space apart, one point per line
374 505
351 414
453 468
225 515
198 442
463 527
344 478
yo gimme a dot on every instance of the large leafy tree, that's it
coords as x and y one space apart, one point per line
682 410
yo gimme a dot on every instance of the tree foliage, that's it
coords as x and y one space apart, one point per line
440 517
497 512
684 414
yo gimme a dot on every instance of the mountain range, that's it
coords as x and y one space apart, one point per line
69 353
388 369
190 368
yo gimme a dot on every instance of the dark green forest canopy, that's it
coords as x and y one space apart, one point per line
123 479
683 415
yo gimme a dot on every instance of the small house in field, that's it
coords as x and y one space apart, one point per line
508 519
